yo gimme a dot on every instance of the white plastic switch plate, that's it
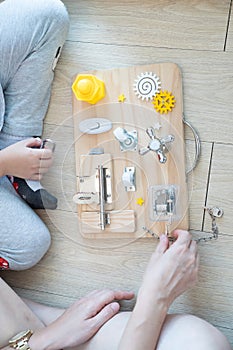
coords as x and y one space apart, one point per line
95 125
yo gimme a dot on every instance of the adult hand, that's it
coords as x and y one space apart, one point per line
172 269
23 161
80 321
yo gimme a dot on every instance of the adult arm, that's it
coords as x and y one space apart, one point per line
75 325
171 271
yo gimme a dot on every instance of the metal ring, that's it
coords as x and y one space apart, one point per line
197 146
49 143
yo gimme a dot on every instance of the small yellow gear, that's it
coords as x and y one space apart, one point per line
164 102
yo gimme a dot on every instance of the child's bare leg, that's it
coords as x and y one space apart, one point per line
190 332
178 332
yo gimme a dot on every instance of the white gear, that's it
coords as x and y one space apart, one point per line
147 85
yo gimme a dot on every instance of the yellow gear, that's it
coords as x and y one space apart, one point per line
164 101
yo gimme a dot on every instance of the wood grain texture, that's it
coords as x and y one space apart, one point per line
105 35
220 191
197 182
229 42
173 24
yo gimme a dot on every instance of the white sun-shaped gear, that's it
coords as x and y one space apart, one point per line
147 85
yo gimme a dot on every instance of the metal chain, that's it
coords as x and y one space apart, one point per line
155 235
214 213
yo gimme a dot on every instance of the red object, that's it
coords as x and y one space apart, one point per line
16 185
4 265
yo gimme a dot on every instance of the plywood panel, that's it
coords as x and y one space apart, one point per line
174 24
134 114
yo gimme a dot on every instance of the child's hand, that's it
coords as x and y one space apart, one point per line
23 161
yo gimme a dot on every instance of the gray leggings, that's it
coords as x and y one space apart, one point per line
31 36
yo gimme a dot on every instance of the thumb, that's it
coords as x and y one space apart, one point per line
33 142
163 244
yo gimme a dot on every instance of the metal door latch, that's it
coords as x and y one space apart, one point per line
163 203
128 139
160 146
104 216
101 196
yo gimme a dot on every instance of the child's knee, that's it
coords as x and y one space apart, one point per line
182 331
28 253
53 11
210 338
49 18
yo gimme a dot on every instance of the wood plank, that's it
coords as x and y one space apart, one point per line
122 223
229 44
221 187
161 24
197 182
207 82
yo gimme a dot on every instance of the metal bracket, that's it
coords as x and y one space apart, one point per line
128 179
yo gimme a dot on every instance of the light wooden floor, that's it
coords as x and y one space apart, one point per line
198 36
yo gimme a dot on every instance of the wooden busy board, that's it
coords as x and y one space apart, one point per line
130 211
